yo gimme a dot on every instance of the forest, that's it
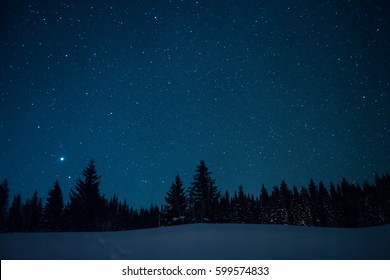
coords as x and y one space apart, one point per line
338 205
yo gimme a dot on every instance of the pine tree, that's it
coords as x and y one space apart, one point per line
4 196
275 212
242 207
373 212
265 207
281 204
313 199
325 213
224 209
383 186
86 206
154 216
32 214
203 195
112 214
351 204
124 216
53 211
15 218
305 212
297 209
175 210
285 202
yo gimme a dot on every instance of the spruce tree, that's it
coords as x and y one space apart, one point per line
242 206
285 202
86 206
224 209
32 213
314 207
336 204
305 212
53 211
325 213
15 217
4 197
296 208
265 207
176 203
203 195
373 211
112 214
275 217
281 204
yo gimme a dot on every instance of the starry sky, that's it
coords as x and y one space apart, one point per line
260 90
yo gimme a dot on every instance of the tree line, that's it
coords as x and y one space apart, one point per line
342 205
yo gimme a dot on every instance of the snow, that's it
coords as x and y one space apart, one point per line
203 241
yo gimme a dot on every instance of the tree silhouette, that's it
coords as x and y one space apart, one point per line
32 213
281 205
203 195
176 203
325 213
264 215
15 218
4 195
53 211
343 205
314 201
86 207
242 207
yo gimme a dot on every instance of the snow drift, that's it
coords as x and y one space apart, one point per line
203 241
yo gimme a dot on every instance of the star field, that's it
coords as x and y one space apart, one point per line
261 90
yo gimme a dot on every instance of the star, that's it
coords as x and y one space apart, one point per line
62 158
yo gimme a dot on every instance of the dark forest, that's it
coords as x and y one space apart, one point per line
338 205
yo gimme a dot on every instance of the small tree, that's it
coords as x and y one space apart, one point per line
53 211
4 196
177 204
314 203
264 206
15 218
32 213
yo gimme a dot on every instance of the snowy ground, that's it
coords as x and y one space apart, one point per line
203 241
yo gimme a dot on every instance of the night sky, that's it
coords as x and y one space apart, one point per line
260 90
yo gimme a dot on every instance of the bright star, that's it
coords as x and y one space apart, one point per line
62 158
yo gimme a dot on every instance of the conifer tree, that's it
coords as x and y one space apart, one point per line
124 216
281 208
15 218
224 209
112 214
297 208
86 206
325 213
373 212
176 203
305 212
383 187
32 213
203 195
336 204
53 211
275 211
264 205
4 196
285 202
314 209
242 207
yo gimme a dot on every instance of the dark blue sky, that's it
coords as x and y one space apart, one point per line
261 90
